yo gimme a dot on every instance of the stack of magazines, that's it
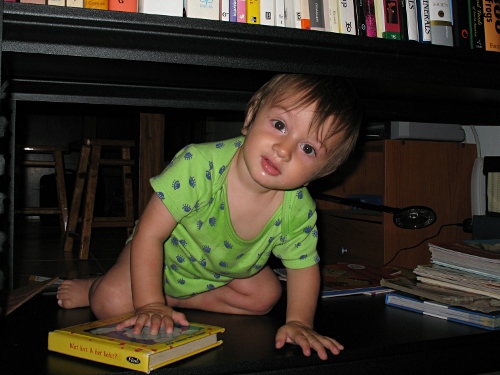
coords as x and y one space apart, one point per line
462 284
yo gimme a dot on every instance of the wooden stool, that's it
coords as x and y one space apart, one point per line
88 168
58 164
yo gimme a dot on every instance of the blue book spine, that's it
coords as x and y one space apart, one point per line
233 11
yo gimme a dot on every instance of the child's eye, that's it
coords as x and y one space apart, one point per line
308 149
279 125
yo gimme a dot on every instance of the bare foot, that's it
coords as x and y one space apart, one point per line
74 293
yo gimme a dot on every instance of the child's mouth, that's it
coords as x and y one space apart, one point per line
269 167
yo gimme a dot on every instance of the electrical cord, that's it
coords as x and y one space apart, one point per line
421 242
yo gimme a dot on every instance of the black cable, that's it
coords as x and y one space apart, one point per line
421 242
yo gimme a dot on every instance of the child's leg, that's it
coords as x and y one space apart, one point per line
255 295
108 295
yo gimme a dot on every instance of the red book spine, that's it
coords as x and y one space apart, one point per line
123 5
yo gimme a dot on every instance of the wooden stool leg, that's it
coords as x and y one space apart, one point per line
81 177
128 196
88 214
61 189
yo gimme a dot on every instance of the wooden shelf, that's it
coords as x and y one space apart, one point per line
63 54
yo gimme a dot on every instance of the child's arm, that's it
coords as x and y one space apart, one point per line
302 295
146 267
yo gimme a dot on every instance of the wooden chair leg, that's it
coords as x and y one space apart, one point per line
61 189
81 177
88 213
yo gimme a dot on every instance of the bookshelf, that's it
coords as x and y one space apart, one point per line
69 55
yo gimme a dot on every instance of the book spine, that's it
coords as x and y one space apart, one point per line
360 17
80 347
205 10
267 12
379 17
424 24
41 2
370 20
297 17
411 20
96 4
233 11
440 19
305 19
123 5
477 26
333 15
391 17
74 3
167 8
461 25
347 17
59 3
317 15
224 10
491 17
253 12
279 13
242 11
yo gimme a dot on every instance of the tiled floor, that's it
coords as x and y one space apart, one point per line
38 251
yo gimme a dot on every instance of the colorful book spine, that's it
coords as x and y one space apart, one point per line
317 15
491 16
360 17
166 8
391 18
347 17
424 21
476 23
461 25
279 13
130 6
305 19
208 10
253 12
379 17
96 4
59 3
370 20
411 20
441 26
267 12
233 11
224 10
74 3
242 11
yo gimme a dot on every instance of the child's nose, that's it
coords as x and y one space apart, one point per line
283 149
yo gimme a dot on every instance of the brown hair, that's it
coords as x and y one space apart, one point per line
337 106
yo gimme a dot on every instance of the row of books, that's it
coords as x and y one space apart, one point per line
472 24
461 284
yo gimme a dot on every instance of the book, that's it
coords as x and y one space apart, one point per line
123 5
224 10
41 2
74 3
347 17
59 3
379 17
279 13
267 12
18 297
289 13
461 25
392 29
424 21
360 17
317 15
166 8
370 20
233 10
440 19
476 23
241 7
96 4
481 257
342 279
490 321
99 341
411 22
305 19
253 12
208 10
491 21
332 11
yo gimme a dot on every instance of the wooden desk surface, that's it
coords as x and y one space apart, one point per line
378 339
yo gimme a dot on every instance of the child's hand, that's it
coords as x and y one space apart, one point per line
155 316
299 334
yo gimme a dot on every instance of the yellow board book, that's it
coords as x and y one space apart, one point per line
99 341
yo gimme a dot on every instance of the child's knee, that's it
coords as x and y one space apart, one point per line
267 298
